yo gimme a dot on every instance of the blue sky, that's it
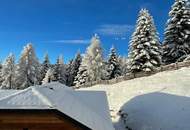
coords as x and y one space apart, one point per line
66 26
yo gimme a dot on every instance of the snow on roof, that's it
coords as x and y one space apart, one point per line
96 101
4 93
87 107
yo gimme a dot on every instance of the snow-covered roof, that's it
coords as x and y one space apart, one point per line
87 107
4 93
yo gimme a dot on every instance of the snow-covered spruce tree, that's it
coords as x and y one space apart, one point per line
75 64
177 33
124 62
1 80
114 66
45 67
28 68
49 77
145 50
8 73
68 72
59 71
82 76
1 66
91 68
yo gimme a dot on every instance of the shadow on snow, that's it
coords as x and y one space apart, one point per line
157 111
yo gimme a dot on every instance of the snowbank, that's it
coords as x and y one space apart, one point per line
158 102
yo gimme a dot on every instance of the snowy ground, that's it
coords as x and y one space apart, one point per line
158 102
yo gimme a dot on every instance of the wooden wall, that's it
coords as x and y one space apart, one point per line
42 120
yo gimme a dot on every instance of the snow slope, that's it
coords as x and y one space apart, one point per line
158 102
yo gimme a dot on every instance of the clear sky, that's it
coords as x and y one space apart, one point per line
65 26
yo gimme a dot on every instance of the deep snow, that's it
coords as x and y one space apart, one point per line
158 102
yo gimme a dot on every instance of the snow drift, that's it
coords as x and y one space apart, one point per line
158 102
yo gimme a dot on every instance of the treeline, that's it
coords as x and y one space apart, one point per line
29 71
145 54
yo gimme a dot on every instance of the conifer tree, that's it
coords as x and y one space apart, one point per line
114 66
82 76
145 50
91 68
28 68
125 65
1 80
68 73
176 45
75 64
59 71
8 73
45 67
49 77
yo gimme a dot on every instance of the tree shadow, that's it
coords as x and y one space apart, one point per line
156 111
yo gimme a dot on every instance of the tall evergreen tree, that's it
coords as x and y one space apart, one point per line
45 67
49 77
92 64
176 44
28 68
1 80
145 50
8 73
68 73
59 71
125 65
1 66
75 64
82 76
114 66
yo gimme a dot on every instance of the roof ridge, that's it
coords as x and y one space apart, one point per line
42 97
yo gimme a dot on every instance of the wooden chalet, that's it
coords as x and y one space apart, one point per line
53 107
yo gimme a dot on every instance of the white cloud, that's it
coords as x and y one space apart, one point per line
72 41
114 29
123 38
120 38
